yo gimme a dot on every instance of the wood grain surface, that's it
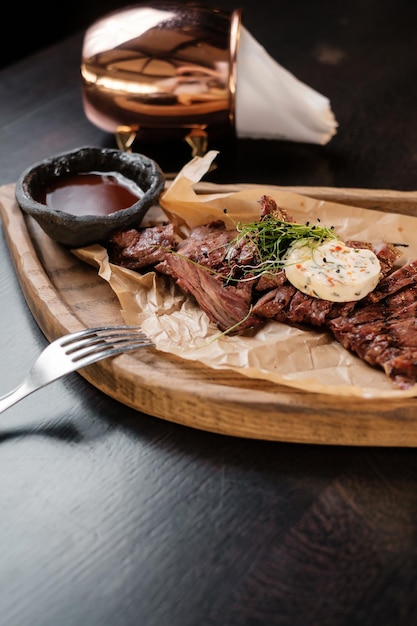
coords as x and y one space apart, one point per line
65 295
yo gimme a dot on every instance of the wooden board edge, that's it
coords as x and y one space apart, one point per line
323 431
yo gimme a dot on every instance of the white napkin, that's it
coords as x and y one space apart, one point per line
271 103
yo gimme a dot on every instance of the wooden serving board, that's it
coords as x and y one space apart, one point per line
65 295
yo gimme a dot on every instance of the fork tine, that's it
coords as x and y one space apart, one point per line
103 336
107 331
97 353
98 343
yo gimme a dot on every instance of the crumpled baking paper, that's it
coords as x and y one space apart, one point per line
304 359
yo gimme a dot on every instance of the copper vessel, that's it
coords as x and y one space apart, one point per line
162 70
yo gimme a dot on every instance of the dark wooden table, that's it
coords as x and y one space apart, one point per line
114 518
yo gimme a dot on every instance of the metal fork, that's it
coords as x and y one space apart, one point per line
73 352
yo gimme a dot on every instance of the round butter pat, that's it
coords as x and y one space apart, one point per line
332 270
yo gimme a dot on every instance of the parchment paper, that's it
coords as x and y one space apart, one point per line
305 359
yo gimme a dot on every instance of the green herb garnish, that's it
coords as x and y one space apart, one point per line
271 238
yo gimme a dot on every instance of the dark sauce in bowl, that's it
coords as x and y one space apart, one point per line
92 193
82 196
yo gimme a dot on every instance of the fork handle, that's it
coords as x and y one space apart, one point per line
11 398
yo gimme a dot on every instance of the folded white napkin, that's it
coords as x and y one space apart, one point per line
271 103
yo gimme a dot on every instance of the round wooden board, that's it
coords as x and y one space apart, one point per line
65 295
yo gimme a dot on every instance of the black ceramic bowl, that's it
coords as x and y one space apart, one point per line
81 230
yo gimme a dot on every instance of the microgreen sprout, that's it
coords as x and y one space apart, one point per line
271 239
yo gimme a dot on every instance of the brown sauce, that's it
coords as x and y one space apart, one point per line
92 193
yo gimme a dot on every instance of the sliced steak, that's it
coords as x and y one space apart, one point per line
138 249
381 329
226 305
200 268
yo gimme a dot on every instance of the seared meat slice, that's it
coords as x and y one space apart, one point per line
395 282
225 304
212 246
270 207
382 329
285 303
200 268
137 249
207 245
386 343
